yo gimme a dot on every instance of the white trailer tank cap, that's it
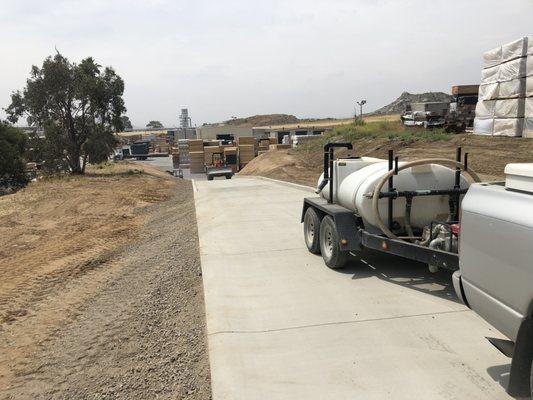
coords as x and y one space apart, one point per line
519 176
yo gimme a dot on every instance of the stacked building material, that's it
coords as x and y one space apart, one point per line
231 158
280 146
183 150
246 154
208 154
528 107
263 146
196 144
247 146
501 106
197 162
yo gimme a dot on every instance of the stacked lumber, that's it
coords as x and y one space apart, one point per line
246 154
280 146
196 144
197 162
231 158
247 146
500 110
208 154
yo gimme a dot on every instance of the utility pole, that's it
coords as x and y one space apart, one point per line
361 104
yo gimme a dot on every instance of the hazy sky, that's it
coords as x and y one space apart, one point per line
311 58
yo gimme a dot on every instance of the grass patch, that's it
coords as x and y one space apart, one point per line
389 130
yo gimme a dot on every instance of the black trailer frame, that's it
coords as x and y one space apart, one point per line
353 236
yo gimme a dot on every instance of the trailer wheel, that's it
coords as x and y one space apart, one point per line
209 178
312 230
228 176
333 256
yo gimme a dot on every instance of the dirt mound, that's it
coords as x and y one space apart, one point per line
100 288
398 106
487 155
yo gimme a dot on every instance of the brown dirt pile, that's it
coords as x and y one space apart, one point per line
487 155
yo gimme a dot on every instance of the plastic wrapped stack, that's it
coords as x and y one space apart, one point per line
501 108
528 108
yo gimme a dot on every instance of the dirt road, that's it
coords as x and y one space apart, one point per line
119 317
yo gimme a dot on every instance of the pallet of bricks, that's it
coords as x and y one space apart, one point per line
183 151
505 106
196 156
247 147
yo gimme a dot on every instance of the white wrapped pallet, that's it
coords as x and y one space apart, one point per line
512 89
485 109
483 126
515 49
528 120
513 69
528 107
489 91
529 86
529 64
509 108
490 75
528 128
512 127
492 57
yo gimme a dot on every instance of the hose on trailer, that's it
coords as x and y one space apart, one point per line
385 178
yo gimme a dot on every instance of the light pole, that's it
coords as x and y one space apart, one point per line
361 104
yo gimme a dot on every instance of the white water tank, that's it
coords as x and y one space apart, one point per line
360 178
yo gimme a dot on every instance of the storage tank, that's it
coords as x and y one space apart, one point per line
362 175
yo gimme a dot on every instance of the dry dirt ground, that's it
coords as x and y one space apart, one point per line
101 290
487 156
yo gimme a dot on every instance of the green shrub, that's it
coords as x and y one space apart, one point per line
12 162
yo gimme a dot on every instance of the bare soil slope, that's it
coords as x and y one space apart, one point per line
100 289
487 155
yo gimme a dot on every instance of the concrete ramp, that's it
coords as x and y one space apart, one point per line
281 325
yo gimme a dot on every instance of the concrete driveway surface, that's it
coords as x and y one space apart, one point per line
281 325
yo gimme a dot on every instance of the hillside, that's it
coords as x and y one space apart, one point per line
263 120
398 105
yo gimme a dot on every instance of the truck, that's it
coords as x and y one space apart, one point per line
218 167
495 276
436 211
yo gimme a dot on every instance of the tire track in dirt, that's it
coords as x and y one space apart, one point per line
127 323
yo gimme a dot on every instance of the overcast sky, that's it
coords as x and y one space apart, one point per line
224 58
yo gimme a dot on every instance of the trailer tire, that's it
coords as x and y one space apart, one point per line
312 230
333 256
209 178
228 176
